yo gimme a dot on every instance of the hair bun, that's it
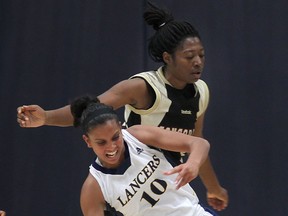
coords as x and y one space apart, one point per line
157 17
79 105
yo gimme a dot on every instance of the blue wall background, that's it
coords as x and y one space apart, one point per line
54 50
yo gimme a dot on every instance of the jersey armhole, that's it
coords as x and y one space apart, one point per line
155 95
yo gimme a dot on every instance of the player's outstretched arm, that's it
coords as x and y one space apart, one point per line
117 96
29 116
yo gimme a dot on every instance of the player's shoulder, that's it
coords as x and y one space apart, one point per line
144 74
201 83
202 86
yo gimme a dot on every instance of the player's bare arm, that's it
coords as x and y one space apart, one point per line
91 200
133 92
217 196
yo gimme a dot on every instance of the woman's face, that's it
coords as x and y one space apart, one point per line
107 142
186 64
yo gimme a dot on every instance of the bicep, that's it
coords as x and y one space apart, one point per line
91 200
131 91
199 125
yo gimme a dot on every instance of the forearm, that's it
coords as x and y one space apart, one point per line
199 153
208 176
61 117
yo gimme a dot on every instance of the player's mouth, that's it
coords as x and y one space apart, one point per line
197 74
111 154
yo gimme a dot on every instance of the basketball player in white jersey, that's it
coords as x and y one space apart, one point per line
130 171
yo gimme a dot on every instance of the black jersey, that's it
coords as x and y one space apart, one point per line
173 109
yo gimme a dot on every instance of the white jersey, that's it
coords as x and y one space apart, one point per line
138 186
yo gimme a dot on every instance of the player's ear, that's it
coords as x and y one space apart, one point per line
166 57
87 140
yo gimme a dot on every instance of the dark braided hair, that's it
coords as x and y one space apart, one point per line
89 113
169 33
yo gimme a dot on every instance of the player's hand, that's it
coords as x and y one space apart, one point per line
186 173
218 200
30 116
2 213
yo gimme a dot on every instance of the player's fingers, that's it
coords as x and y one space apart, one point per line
24 108
217 204
172 171
182 181
22 117
19 109
179 178
180 184
21 122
